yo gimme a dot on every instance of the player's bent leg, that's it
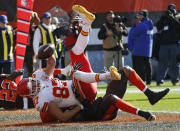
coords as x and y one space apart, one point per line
88 89
124 106
83 38
94 77
77 56
135 79
81 42
107 108
117 87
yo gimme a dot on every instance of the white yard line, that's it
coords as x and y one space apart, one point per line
171 112
168 112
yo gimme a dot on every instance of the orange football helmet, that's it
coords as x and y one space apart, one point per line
29 87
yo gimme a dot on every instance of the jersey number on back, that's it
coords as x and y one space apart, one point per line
8 91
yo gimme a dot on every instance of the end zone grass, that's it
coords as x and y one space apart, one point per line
169 103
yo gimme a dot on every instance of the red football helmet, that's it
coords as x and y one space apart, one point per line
29 87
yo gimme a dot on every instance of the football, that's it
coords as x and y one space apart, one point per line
45 51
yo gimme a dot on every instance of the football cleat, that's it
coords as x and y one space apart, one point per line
81 10
114 73
147 115
156 96
151 118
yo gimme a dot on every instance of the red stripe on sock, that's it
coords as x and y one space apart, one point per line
124 106
136 80
109 113
97 77
84 33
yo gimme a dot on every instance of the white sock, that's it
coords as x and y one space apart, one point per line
85 77
91 77
137 111
145 89
25 100
86 27
82 41
105 76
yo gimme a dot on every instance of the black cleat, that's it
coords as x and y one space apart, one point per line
16 74
147 115
174 83
151 118
156 96
159 83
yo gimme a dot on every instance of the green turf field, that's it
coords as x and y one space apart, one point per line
168 103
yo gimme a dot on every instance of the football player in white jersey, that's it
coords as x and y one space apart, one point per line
51 96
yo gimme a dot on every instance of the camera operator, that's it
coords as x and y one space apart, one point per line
169 40
111 33
71 38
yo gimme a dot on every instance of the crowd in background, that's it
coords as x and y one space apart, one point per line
164 47
143 44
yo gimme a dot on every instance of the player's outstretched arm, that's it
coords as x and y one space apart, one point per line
13 75
3 76
57 113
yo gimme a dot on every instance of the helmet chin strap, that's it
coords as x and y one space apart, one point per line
29 85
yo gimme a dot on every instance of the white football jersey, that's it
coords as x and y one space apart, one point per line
54 90
43 77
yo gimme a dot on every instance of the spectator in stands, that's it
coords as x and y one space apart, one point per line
130 39
111 33
6 46
140 44
43 35
74 30
169 28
